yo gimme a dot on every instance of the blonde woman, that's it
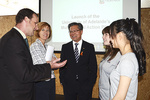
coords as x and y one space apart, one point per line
44 90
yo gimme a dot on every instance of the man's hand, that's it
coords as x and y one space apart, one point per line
55 65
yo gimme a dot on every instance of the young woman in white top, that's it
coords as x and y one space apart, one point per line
109 62
127 36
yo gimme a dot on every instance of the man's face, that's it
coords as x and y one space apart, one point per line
75 33
32 25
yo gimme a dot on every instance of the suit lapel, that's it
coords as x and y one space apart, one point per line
72 52
81 53
20 36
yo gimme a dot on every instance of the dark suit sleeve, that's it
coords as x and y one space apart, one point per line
92 66
62 70
19 62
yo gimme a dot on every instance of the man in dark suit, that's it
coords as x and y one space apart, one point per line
78 76
17 72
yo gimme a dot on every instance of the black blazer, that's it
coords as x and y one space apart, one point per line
17 72
85 69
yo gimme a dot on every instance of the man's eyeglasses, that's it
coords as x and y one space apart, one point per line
74 31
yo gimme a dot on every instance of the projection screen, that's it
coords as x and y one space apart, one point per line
93 14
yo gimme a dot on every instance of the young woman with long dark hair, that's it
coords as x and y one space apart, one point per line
127 36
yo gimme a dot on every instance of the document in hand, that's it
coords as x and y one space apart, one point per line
49 53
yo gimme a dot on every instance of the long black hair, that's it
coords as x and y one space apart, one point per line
134 34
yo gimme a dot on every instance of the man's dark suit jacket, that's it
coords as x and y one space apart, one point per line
17 72
85 71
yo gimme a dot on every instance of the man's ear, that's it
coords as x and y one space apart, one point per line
26 19
81 32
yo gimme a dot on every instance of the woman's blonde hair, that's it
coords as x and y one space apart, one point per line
40 26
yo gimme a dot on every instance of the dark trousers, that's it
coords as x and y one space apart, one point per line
77 92
45 90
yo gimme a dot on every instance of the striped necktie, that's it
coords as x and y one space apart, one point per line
76 52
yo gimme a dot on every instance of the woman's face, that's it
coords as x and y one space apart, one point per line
115 41
44 33
106 39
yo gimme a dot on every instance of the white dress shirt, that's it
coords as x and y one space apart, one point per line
79 45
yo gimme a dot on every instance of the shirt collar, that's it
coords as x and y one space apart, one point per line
80 42
22 34
79 45
38 41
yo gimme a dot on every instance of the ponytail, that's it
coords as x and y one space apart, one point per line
137 47
134 34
